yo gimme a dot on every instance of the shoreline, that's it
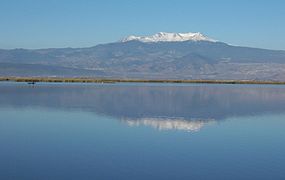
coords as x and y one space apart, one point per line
106 80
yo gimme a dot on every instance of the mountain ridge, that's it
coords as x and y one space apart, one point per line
151 60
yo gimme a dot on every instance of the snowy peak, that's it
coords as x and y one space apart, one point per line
170 37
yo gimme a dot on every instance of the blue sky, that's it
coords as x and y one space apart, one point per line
83 23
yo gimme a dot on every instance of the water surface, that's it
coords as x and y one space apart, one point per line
141 131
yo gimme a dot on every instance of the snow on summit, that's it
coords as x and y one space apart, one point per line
170 37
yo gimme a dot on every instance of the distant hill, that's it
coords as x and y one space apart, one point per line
161 56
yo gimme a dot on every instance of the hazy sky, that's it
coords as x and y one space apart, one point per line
82 23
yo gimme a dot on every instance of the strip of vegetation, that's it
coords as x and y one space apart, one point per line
95 80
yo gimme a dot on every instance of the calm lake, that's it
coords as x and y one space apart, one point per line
52 131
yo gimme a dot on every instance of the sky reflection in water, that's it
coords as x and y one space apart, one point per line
141 131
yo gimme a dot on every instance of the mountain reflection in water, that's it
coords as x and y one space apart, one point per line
164 123
155 105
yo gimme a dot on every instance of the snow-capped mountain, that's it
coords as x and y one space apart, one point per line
170 37
161 56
